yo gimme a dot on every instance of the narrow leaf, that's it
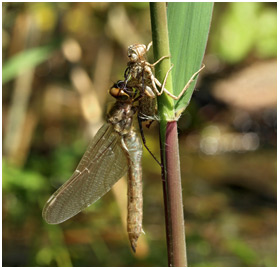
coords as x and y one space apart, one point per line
188 25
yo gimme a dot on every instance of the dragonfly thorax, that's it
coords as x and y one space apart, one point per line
121 117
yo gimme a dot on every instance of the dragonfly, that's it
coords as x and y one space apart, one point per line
115 149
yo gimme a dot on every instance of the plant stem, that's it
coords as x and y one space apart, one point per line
176 217
161 48
169 144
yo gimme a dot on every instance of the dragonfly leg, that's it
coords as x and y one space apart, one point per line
149 46
163 89
144 141
161 59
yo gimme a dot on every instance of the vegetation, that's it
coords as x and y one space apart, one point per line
59 60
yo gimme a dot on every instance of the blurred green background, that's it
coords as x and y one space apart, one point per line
59 60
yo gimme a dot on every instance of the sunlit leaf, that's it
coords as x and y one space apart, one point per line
188 25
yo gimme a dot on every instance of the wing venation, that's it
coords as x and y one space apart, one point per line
102 165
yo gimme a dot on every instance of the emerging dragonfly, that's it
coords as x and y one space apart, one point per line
115 149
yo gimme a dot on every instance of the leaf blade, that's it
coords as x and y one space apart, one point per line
188 25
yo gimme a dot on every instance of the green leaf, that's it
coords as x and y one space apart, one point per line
188 25
25 60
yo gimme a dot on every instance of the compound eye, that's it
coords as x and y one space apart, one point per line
118 93
123 97
114 91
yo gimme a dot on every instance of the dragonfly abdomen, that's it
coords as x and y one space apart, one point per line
135 201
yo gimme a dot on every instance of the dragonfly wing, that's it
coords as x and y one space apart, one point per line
102 165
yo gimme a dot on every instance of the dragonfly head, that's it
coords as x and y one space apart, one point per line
120 91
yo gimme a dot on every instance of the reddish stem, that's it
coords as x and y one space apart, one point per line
175 222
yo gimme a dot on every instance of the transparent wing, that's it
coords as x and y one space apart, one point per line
103 163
